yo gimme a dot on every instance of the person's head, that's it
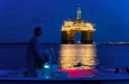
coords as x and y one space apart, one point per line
37 31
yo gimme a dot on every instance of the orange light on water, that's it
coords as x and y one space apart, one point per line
71 55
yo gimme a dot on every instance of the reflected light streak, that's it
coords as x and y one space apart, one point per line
71 55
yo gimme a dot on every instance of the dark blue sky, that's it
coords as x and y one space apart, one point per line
19 17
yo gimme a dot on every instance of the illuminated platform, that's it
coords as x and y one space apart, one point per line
70 28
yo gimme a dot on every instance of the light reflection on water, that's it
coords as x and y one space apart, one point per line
71 55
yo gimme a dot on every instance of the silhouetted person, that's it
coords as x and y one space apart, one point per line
127 69
34 56
117 70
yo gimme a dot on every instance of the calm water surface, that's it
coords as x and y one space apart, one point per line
68 56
